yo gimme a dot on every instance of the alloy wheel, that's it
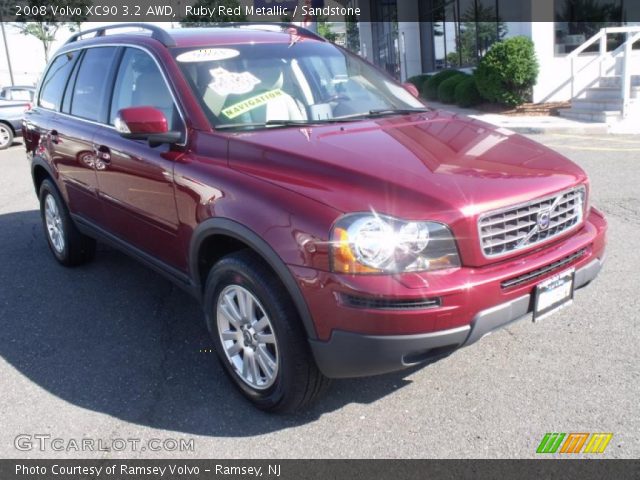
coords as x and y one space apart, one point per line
53 219
5 136
247 337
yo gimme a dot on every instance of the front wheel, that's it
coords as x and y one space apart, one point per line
258 336
6 136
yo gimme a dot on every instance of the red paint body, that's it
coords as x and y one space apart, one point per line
289 186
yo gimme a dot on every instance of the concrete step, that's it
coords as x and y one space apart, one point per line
591 115
616 81
606 93
591 104
602 104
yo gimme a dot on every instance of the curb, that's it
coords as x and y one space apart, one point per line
582 130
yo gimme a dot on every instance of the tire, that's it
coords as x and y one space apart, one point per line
6 136
68 245
295 380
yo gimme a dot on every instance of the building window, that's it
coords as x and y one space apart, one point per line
576 21
463 30
385 36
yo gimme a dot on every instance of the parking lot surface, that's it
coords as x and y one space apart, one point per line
113 351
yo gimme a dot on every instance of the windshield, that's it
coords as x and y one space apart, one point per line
305 82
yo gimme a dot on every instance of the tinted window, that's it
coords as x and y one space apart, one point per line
140 83
91 83
56 79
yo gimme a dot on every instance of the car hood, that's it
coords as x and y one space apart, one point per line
435 165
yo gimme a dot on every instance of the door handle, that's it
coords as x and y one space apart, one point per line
53 135
103 154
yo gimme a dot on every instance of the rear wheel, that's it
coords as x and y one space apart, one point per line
258 336
68 245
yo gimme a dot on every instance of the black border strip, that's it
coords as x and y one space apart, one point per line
615 11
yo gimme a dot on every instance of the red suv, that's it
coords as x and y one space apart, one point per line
331 224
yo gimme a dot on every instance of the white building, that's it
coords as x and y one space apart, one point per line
456 33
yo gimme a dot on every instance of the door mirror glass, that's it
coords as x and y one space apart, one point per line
412 89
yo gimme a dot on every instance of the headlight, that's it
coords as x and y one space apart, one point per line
371 243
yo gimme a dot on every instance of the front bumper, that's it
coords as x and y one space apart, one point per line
349 354
366 339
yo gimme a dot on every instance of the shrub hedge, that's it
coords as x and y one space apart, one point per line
467 94
447 89
508 71
418 80
430 89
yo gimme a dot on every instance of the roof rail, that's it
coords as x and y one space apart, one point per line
158 33
284 26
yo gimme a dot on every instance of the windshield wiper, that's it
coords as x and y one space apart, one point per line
380 112
283 123
305 123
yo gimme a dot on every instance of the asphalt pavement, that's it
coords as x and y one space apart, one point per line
112 352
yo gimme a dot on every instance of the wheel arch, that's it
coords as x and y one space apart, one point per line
226 228
39 172
8 124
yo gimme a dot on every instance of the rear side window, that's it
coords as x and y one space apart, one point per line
21 95
140 83
91 83
55 81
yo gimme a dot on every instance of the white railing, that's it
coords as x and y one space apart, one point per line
624 50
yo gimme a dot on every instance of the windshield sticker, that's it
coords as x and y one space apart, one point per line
254 102
207 55
232 83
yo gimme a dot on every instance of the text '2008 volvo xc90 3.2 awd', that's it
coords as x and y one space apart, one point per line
330 222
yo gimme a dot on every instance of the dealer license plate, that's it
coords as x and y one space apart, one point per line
553 294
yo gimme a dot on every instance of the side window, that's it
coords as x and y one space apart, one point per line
21 95
55 81
91 83
140 83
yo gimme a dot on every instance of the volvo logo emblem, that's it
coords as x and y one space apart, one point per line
544 219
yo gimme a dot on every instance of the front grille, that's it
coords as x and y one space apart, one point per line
521 226
527 277
385 304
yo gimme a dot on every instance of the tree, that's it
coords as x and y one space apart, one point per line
353 33
324 30
207 21
45 27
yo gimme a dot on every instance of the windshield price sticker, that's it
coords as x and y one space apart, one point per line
232 83
207 55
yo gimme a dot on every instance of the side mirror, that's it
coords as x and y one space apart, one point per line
145 123
411 88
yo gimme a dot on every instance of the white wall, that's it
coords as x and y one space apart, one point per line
409 33
410 53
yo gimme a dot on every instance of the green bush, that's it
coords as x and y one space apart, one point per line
447 89
467 94
508 71
418 80
430 87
